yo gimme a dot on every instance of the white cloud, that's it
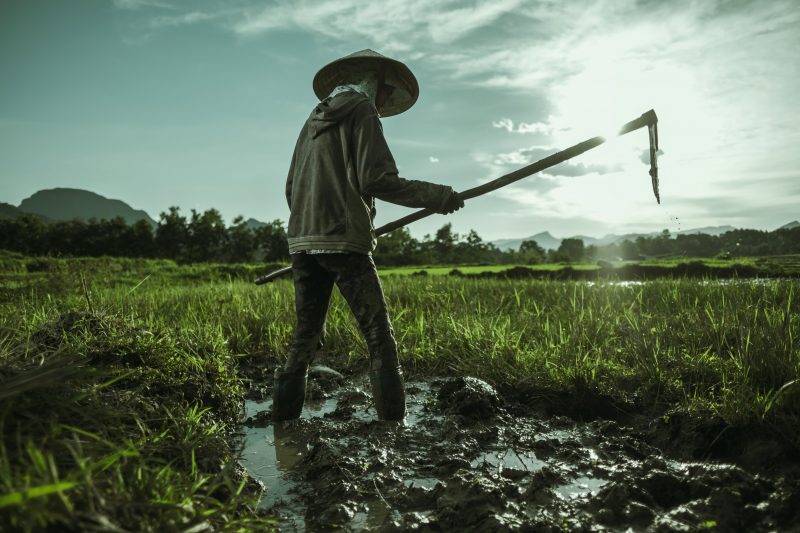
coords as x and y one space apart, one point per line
523 127
533 127
507 161
182 20
433 159
133 5
415 27
504 123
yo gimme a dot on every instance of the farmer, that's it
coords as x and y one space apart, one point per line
341 164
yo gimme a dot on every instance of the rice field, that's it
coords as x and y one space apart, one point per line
121 381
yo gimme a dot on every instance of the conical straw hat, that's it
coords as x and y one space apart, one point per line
350 69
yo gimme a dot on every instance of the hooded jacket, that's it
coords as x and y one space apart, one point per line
341 163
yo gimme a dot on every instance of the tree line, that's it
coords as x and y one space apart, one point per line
201 237
204 237
447 247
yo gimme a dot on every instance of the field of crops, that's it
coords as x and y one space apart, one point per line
123 380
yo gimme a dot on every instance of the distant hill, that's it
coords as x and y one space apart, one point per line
544 239
548 242
10 212
253 224
68 204
791 225
710 230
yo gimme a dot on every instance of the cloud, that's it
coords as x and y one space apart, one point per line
133 5
505 123
523 127
574 170
413 26
507 161
185 19
433 159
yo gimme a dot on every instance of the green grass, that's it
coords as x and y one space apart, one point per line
159 353
108 423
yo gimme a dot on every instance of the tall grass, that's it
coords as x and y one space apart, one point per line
159 363
726 346
112 425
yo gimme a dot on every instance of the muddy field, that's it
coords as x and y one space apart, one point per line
470 459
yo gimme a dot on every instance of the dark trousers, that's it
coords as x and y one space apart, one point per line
357 279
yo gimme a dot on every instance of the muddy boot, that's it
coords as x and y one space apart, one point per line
288 395
388 393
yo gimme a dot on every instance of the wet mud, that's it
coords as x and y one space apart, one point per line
470 459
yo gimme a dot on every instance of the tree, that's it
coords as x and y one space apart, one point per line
531 253
26 234
397 248
241 242
171 234
72 237
472 249
207 240
112 238
444 243
272 241
571 250
629 251
141 242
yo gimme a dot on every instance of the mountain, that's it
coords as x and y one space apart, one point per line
710 230
543 239
69 204
253 224
791 225
548 242
10 212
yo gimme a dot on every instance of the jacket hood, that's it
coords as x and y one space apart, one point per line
331 111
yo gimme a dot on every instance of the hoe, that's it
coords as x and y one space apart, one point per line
648 119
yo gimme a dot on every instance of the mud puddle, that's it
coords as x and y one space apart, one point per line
463 462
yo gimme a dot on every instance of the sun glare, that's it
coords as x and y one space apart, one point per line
608 91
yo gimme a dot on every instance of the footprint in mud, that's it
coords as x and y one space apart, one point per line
461 462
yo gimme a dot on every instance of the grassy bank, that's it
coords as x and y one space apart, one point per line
145 366
110 424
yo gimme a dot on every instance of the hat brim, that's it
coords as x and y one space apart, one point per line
351 69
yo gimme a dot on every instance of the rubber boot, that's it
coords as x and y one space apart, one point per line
289 395
388 393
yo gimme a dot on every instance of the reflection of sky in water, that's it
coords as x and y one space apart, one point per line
580 486
270 452
268 457
509 458
424 482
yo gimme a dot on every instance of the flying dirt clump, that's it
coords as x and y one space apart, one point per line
470 398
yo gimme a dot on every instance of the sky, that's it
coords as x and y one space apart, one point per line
198 104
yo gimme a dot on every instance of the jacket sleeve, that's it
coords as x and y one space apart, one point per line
290 175
377 172
289 187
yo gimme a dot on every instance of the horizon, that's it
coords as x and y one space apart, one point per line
198 104
548 232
